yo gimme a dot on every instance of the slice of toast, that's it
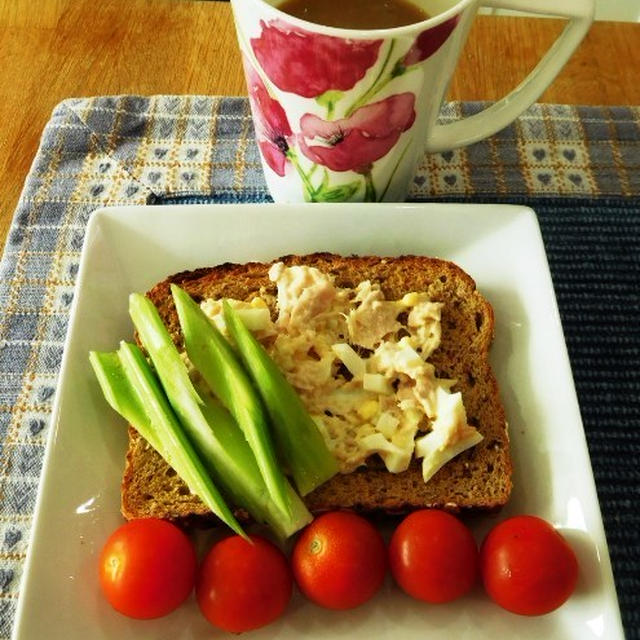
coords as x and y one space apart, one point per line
477 479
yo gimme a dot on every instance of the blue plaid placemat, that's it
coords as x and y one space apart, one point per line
579 167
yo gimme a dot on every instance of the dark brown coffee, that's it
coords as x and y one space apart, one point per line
355 14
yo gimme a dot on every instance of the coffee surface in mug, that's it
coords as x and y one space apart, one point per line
355 14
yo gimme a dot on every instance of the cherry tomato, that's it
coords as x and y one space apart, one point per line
527 566
147 568
433 556
243 585
339 561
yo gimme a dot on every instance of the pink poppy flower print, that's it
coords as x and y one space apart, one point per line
309 64
429 41
272 126
354 143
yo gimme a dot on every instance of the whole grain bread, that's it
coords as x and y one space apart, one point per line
478 479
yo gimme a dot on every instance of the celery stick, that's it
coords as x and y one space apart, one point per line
131 388
120 395
300 443
218 364
240 477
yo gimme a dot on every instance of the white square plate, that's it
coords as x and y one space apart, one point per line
130 248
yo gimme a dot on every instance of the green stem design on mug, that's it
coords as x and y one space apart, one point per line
398 69
395 169
324 192
373 89
306 181
370 194
328 99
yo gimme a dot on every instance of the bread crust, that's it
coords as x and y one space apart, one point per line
478 479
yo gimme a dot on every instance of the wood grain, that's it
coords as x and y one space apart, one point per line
55 49
501 51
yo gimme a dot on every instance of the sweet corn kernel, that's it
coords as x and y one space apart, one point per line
258 303
368 409
410 299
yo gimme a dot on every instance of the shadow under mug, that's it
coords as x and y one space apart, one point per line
346 115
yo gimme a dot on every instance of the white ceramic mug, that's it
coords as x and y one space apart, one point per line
346 115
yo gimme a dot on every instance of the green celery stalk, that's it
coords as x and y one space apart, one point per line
240 476
132 389
218 364
300 443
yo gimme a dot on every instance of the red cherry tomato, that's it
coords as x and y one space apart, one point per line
339 561
243 585
433 556
147 568
527 566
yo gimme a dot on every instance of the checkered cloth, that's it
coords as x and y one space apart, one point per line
136 150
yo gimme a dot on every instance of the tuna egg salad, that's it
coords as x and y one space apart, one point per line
360 364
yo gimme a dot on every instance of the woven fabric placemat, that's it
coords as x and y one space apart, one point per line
578 167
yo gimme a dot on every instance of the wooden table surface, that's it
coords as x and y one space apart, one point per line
54 49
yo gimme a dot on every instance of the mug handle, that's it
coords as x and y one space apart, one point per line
501 113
